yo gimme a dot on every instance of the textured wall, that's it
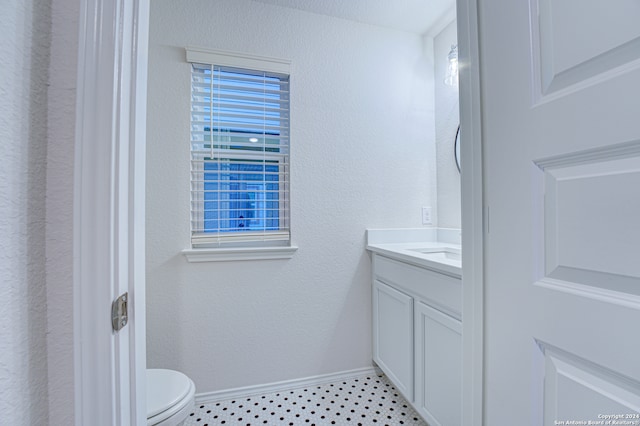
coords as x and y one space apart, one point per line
362 156
447 120
24 60
59 226
38 53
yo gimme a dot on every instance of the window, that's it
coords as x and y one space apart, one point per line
239 156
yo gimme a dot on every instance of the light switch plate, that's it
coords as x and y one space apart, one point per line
426 216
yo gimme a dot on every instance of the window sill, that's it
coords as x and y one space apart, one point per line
233 254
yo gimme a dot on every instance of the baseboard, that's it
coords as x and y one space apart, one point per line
207 397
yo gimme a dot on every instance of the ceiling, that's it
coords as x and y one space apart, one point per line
416 16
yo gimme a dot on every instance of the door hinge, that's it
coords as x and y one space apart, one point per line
119 312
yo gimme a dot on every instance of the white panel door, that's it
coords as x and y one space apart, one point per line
561 132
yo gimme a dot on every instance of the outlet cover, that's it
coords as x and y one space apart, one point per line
426 216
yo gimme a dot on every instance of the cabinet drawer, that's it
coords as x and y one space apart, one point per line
440 291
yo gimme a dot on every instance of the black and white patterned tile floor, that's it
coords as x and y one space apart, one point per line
359 401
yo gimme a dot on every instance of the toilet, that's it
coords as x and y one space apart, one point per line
170 397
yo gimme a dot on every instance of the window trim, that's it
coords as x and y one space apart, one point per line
237 60
271 248
196 255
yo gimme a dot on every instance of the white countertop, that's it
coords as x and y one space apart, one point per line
422 248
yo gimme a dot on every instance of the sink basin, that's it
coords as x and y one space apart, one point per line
436 253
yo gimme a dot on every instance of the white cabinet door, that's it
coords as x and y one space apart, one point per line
438 355
393 336
561 149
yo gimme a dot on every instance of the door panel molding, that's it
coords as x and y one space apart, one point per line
567 51
588 156
622 299
590 220
578 389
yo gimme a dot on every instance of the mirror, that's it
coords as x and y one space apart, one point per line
456 148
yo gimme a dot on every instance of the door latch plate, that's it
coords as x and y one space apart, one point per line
119 312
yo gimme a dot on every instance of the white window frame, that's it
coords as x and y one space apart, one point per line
272 246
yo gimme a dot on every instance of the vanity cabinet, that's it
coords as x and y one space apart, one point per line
393 336
417 336
438 366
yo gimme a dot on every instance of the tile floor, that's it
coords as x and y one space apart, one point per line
359 401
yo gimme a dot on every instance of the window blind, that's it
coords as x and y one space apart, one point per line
239 155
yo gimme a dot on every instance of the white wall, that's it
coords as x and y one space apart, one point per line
446 124
362 156
24 59
38 53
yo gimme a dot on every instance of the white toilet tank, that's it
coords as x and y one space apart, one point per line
170 397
